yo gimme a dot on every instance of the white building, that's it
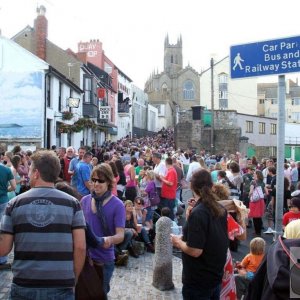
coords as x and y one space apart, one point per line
33 97
124 119
236 94
144 116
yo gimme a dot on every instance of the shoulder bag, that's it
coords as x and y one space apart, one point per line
90 282
257 194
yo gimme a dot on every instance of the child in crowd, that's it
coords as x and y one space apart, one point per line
294 211
249 265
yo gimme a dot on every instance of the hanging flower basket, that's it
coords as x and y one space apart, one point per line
67 115
77 126
85 123
64 128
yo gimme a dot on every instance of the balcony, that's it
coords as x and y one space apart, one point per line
123 107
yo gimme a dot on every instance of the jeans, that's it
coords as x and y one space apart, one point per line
257 222
3 259
168 203
108 269
128 235
144 235
25 293
201 293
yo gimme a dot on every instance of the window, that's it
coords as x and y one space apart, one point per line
296 116
249 126
261 101
273 151
274 101
223 91
48 90
161 109
223 103
88 91
262 127
223 78
164 89
188 90
296 101
223 99
273 128
60 96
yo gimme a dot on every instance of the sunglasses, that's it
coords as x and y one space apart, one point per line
98 180
138 203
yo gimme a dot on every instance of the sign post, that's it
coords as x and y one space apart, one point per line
272 57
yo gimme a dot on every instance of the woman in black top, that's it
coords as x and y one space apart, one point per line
204 243
122 180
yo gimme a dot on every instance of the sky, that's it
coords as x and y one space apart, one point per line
133 31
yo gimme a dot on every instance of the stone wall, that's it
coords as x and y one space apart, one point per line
262 152
225 119
192 134
183 135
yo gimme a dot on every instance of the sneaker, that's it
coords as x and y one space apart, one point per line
269 230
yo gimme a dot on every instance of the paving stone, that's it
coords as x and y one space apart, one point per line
133 282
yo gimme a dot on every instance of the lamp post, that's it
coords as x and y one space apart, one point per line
212 106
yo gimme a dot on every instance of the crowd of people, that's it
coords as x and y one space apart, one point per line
63 205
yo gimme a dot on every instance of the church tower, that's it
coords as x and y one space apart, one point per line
173 56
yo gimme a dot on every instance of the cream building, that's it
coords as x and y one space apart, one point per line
236 94
268 100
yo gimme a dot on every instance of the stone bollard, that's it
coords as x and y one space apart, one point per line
163 269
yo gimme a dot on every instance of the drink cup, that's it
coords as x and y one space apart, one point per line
176 230
139 228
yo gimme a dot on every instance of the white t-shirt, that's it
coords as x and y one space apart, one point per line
194 166
160 169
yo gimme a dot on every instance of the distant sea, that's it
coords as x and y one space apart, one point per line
26 131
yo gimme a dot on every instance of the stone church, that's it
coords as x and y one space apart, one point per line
176 88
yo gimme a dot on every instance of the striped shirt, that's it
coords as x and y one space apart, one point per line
42 221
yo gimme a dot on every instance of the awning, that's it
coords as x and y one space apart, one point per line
113 130
109 128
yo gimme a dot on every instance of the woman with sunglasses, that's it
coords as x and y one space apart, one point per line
105 214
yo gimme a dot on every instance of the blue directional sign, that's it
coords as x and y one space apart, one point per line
265 58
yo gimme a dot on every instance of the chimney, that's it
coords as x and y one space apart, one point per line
41 32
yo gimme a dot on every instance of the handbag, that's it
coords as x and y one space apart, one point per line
154 197
90 282
257 194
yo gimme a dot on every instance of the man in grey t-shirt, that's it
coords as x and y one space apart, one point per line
46 228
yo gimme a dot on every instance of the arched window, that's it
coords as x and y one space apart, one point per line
164 91
188 90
